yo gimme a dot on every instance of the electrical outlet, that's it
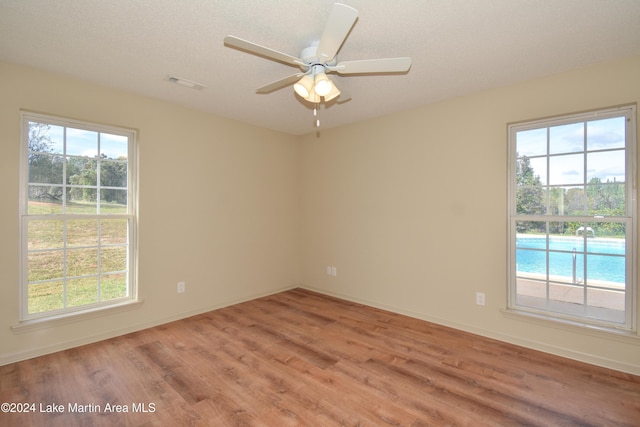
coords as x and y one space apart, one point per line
480 298
328 270
182 286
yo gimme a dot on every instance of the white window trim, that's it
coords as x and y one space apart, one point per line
631 325
45 319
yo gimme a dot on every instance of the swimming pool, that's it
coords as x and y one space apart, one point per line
605 257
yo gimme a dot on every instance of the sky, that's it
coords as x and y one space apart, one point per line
85 143
565 145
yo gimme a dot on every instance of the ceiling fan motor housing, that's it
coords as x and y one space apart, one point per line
310 57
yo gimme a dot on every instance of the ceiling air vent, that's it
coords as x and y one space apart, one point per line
186 83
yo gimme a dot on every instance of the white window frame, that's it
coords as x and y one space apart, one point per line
130 216
630 219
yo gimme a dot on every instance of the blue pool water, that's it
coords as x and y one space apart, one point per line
604 257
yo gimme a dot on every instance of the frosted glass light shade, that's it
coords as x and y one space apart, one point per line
333 93
322 85
304 86
313 97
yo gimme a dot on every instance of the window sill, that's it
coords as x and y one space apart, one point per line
622 335
66 318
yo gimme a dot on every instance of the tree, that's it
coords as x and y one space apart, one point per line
39 139
85 173
529 196
44 166
605 198
113 174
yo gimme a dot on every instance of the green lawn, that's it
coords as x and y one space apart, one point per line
88 269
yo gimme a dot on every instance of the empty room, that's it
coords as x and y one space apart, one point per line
269 213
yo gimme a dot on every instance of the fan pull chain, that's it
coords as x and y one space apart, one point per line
315 114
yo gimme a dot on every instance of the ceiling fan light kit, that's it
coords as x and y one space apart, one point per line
333 94
304 86
322 84
312 89
319 59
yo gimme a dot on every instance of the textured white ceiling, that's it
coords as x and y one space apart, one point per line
457 47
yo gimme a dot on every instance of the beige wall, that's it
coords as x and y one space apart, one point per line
218 208
412 209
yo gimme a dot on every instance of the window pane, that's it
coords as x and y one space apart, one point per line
566 169
113 259
82 291
82 262
557 201
113 231
44 199
82 143
114 146
44 234
529 227
610 237
606 199
611 300
531 142
82 171
606 166
566 138
531 171
530 201
606 134
531 263
113 201
45 169
607 271
81 200
574 200
45 297
531 293
566 267
113 174
82 232
539 166
566 293
45 265
568 240
45 138
113 286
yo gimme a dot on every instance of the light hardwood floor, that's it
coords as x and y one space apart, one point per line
301 358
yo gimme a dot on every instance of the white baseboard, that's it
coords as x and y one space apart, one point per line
41 351
516 340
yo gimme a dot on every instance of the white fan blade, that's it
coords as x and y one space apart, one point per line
341 20
262 51
365 66
279 83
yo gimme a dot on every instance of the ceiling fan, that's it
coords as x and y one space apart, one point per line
319 59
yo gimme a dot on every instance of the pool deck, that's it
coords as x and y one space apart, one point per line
605 304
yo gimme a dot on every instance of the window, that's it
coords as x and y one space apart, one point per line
572 210
77 216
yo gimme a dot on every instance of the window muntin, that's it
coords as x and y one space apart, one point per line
77 216
572 218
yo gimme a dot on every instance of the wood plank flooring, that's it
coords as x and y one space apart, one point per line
301 358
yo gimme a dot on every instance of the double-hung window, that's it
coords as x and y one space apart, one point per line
77 216
572 212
